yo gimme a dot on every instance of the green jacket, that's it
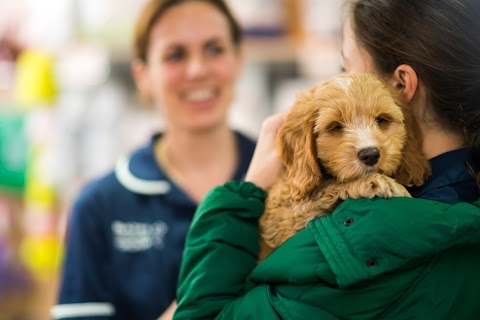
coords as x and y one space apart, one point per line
397 258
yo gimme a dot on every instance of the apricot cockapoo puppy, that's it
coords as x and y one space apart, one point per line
347 137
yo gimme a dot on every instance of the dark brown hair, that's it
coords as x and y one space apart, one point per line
154 9
440 40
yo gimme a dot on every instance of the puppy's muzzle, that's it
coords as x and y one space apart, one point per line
369 156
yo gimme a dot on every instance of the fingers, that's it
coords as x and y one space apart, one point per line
265 165
272 123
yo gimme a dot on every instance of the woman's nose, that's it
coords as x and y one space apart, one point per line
197 67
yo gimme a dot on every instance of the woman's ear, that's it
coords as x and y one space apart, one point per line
140 75
405 79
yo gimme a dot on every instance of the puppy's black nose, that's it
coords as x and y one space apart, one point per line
369 156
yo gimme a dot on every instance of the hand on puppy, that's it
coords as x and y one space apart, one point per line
265 166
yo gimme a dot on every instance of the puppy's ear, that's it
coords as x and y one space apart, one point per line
297 147
414 168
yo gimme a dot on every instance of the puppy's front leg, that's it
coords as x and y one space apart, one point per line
376 185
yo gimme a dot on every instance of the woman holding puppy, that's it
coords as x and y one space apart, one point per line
127 230
399 258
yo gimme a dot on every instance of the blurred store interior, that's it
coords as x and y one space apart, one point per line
68 109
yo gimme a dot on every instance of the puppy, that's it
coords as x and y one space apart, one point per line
348 137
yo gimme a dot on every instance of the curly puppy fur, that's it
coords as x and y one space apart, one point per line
347 137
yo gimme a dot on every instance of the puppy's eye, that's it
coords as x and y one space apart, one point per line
382 120
335 126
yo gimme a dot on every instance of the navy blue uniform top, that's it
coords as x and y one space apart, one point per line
451 181
125 241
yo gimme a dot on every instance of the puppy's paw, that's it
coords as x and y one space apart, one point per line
376 185
386 187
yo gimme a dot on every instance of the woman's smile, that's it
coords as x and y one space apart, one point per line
200 97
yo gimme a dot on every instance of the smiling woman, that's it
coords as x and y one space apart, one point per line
127 229
189 74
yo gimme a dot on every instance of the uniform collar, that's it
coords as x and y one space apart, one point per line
140 172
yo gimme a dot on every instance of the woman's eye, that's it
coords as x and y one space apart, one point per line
175 55
214 50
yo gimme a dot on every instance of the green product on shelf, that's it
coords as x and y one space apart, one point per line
13 152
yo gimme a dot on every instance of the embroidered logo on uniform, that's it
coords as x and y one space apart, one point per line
136 236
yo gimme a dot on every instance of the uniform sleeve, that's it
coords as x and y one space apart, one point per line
85 285
221 251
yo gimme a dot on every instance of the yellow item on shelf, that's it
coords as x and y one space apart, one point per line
35 81
42 254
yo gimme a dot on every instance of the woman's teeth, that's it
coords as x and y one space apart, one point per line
200 95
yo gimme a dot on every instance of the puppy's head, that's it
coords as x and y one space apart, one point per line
349 127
